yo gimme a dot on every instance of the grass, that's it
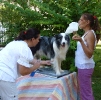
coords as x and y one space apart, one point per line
96 80
96 85
97 59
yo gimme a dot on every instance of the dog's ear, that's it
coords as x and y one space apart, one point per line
68 35
55 35
68 39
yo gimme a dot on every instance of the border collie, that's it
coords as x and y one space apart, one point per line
54 48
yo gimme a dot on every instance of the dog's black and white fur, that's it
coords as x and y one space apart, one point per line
55 48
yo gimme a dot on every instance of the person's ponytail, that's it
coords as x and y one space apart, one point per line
97 28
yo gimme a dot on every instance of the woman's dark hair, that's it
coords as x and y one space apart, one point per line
94 24
28 34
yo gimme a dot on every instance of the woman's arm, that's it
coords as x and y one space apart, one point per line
42 62
90 39
23 70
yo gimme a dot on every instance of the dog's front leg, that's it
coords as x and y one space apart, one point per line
60 61
56 66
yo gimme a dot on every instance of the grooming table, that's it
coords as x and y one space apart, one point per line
49 71
46 87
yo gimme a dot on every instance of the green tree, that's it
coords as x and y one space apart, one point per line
49 16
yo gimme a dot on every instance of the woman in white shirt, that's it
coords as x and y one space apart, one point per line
84 54
16 59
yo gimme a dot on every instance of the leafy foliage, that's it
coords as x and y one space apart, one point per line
97 59
49 16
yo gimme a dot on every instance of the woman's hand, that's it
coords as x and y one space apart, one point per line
45 62
77 38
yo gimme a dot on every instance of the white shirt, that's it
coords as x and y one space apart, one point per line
15 52
80 56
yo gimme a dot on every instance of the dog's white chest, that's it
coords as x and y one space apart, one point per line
60 52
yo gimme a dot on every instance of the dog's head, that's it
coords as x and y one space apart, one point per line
62 39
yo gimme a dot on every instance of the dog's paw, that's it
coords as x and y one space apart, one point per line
58 73
61 70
